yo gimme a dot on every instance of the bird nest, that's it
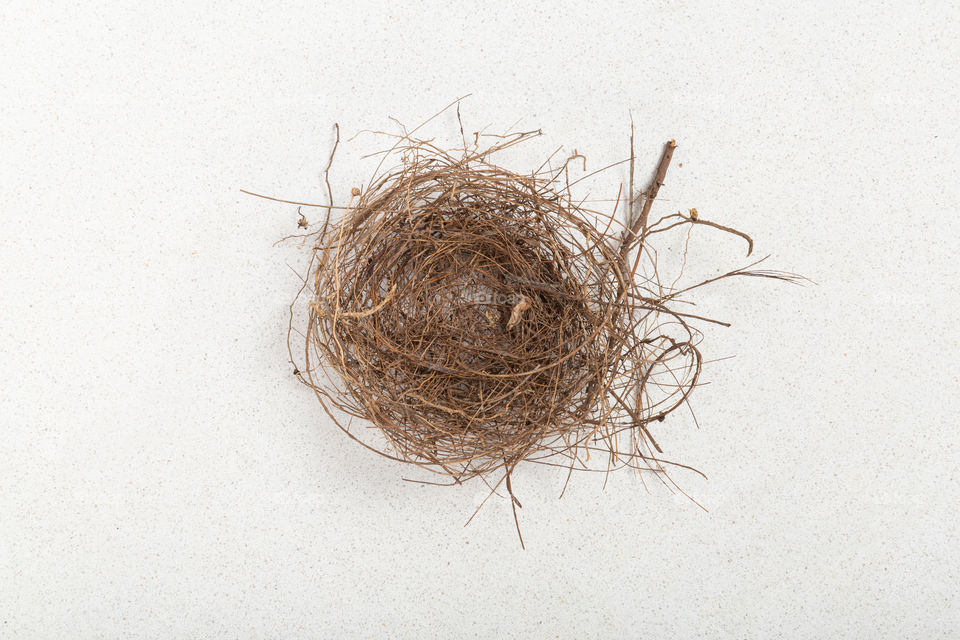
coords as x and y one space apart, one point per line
480 318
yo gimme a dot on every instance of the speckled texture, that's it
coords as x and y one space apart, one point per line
163 476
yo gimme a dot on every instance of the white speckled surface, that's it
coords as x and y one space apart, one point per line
163 476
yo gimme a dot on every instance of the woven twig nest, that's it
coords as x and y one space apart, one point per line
470 315
480 318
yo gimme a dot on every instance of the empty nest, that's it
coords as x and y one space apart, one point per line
480 318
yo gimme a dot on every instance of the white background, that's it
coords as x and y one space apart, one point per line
162 474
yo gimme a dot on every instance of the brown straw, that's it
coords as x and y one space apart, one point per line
479 318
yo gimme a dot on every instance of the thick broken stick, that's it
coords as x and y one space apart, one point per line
638 226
